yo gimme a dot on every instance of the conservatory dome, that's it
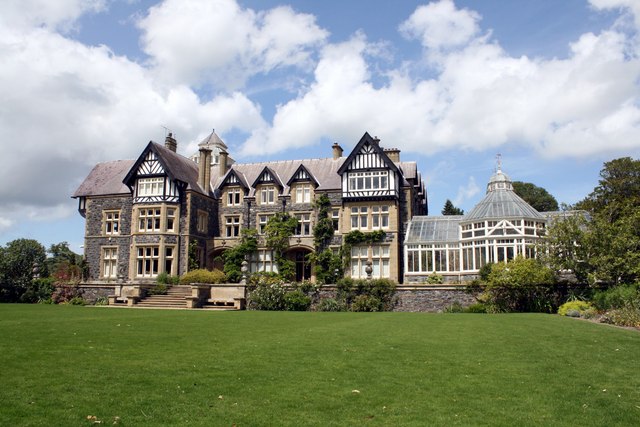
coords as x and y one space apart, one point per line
501 202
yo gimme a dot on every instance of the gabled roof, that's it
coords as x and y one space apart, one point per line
367 140
105 178
302 171
323 170
228 179
273 177
176 167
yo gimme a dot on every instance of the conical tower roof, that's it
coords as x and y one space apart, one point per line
213 140
501 202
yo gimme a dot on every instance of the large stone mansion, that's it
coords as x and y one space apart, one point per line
143 215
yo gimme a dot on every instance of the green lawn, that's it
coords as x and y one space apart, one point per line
60 364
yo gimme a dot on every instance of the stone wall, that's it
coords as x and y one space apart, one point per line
91 293
420 298
432 299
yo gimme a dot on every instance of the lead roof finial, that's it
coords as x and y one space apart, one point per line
499 162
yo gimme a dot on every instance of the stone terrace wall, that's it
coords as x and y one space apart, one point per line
430 298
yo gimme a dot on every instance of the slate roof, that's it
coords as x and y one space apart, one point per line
325 171
433 229
180 167
176 166
105 178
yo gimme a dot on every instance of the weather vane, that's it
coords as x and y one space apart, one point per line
498 162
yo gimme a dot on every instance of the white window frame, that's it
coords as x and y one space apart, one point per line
203 222
150 219
109 259
262 220
111 220
147 261
268 195
234 197
303 193
151 186
369 180
379 217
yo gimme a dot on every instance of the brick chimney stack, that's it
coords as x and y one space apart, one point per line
204 168
393 154
223 158
337 150
170 142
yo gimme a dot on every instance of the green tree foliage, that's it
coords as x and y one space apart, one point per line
617 192
328 265
450 209
16 267
278 230
612 240
233 257
565 245
523 284
537 197
64 265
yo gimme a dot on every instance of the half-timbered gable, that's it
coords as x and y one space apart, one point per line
156 177
302 174
368 173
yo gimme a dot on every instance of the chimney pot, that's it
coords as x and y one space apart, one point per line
337 150
170 142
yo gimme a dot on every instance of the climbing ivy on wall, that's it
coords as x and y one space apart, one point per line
278 230
328 266
234 256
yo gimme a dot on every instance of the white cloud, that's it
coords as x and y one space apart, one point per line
632 6
216 41
441 25
466 192
480 97
57 14
67 106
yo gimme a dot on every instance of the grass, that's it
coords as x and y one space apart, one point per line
60 364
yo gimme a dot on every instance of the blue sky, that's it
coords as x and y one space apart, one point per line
553 86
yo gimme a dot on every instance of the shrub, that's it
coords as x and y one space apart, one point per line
434 279
265 278
476 308
203 276
331 304
77 301
158 289
65 293
269 297
365 302
296 301
101 301
166 279
382 290
628 315
38 290
572 308
616 297
456 307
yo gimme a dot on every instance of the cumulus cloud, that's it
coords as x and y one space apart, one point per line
466 192
205 41
67 106
631 6
476 97
441 25
58 14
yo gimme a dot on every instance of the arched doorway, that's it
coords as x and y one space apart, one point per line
303 265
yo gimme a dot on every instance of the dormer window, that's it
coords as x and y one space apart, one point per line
150 186
374 180
303 193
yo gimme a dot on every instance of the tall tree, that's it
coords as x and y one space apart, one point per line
17 260
537 197
450 209
617 192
